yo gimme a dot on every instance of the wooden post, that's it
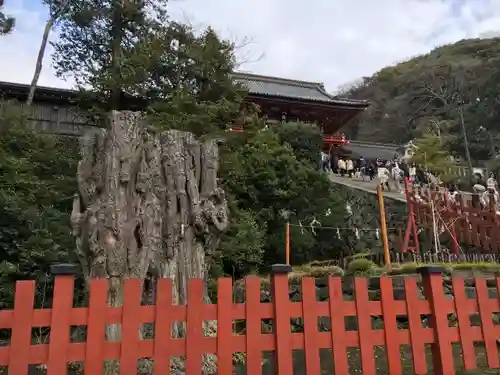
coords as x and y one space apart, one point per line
411 226
60 318
287 242
383 226
281 328
432 282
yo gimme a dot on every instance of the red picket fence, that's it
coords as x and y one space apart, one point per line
62 316
463 221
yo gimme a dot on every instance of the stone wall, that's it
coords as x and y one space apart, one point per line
364 207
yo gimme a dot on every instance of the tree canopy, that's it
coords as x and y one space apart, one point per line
7 22
37 183
266 177
430 155
108 46
148 62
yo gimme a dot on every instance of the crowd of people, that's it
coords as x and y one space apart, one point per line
389 173
483 191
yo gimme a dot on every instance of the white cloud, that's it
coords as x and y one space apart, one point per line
332 41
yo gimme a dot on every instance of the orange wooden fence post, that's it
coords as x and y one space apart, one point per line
287 242
60 320
442 355
281 326
22 321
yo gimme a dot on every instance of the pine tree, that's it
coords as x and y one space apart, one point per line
7 23
433 156
109 46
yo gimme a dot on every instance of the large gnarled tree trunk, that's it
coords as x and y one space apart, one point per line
147 202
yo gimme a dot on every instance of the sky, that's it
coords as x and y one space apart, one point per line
330 41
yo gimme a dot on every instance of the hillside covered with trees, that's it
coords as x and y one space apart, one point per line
435 92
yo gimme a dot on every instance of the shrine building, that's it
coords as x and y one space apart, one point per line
283 99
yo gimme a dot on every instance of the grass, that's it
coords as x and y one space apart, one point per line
321 270
411 268
360 267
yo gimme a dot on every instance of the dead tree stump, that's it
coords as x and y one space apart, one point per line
147 202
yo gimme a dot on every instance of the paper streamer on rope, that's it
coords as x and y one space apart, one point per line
313 223
348 209
302 231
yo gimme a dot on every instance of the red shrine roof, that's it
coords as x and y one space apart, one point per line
293 89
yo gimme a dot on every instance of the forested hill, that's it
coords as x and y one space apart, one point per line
430 92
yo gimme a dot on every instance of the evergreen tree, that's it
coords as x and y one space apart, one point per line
37 184
7 23
109 46
131 56
306 141
431 155
266 178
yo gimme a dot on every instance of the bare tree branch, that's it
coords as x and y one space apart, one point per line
55 13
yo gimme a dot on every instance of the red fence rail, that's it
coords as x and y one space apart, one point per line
462 220
56 354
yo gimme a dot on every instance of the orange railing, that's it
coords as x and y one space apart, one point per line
460 220
434 309
335 140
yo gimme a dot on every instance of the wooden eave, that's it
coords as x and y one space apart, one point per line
311 103
50 95
330 116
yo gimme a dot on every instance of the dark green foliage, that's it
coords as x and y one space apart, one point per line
361 267
7 23
145 61
306 140
37 183
193 96
408 97
242 247
110 46
430 154
265 177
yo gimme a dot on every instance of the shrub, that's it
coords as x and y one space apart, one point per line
361 267
309 270
482 266
326 271
404 269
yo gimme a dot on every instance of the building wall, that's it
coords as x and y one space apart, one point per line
56 119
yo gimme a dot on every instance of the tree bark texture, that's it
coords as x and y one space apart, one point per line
147 203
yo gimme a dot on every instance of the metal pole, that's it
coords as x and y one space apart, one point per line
466 143
439 133
383 226
492 145
287 242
